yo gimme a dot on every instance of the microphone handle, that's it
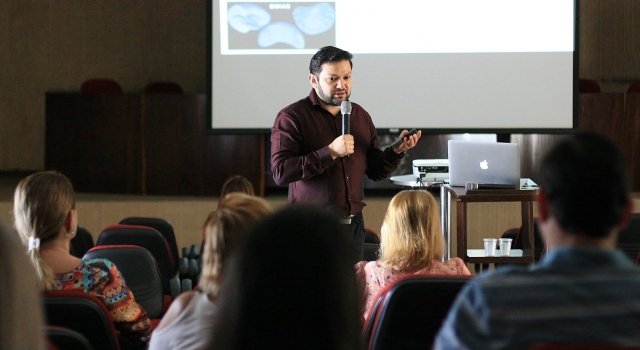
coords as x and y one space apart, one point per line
346 124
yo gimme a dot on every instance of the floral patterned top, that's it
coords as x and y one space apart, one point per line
373 276
101 278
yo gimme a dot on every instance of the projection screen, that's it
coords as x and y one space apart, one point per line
442 66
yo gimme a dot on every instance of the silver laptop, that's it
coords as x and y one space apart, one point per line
489 164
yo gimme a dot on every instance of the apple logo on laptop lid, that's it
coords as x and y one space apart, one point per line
484 165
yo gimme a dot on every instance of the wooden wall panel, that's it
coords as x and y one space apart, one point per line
183 158
605 113
228 155
173 143
147 144
615 115
532 148
632 113
95 141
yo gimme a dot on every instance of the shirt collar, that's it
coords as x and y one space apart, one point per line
586 258
314 98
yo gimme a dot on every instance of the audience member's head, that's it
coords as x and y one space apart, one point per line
237 183
569 297
411 235
43 208
291 285
21 322
223 231
584 185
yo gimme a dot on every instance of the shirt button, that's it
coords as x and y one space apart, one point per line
349 199
347 178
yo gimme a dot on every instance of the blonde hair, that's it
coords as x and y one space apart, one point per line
411 236
237 183
21 324
223 230
41 204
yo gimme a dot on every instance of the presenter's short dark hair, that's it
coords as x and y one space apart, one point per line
328 54
586 179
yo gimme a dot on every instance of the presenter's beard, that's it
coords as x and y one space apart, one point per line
327 99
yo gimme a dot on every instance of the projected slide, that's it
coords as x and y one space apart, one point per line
399 26
462 65
276 26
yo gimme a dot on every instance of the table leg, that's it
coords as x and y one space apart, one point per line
445 220
461 227
528 248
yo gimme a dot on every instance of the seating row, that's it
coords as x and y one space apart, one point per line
110 86
592 86
143 249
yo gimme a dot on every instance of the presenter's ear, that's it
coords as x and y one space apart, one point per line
313 80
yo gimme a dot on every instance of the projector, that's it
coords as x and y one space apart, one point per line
431 170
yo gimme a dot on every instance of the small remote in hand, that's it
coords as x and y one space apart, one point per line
399 141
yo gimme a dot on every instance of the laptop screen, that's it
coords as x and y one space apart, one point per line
485 163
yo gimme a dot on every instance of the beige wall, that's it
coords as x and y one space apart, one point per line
56 45
187 214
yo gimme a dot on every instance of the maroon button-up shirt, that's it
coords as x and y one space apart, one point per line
300 156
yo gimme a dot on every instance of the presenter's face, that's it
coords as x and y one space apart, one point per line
333 84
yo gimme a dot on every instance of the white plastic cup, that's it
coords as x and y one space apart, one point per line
505 246
490 246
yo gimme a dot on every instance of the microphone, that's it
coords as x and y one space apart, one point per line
345 108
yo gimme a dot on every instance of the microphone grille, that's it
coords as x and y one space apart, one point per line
345 107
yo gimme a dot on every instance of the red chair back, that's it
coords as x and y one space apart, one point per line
65 338
83 313
164 227
140 271
409 312
588 86
100 86
145 237
635 87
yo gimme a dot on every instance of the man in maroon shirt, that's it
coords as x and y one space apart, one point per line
310 154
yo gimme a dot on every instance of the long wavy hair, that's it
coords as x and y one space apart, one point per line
411 236
223 230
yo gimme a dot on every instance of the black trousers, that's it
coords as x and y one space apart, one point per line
356 233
